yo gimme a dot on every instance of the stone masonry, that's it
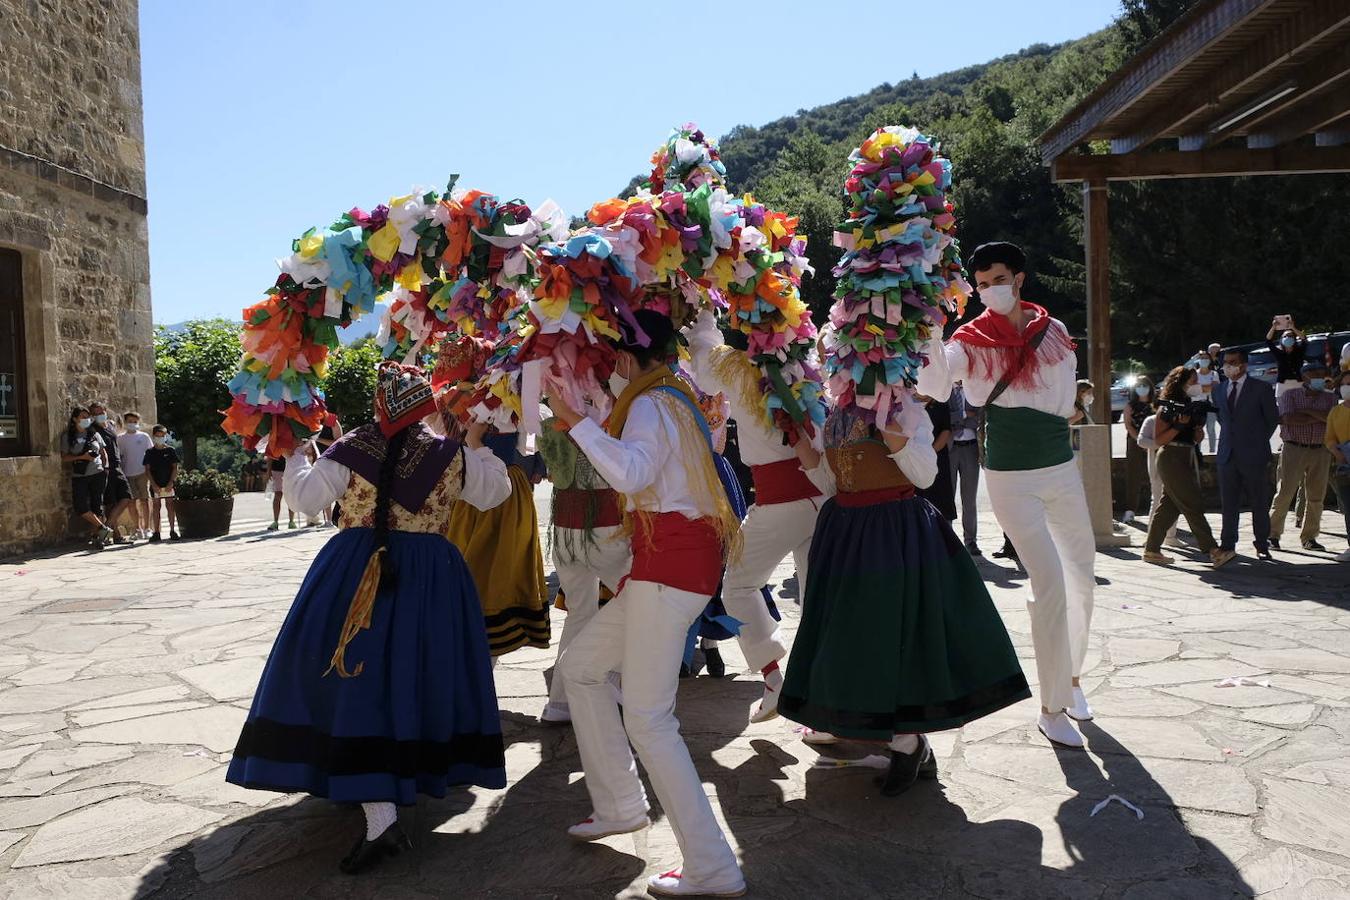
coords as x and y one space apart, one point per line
72 202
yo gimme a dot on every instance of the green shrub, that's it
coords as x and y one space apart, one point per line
196 484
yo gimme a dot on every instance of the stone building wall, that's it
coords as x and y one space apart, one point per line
72 202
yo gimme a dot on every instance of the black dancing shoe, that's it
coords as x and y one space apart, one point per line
906 768
712 661
368 854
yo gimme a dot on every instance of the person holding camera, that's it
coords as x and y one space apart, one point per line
1179 427
1289 352
81 445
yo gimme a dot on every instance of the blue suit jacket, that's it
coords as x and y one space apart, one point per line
1244 436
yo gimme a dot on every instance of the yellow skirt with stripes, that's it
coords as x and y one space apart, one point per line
501 547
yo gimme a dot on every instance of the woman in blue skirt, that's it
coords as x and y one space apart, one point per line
379 686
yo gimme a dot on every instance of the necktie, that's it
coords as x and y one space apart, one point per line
1232 396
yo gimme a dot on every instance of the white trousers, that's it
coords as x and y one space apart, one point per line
582 568
769 533
1044 512
646 626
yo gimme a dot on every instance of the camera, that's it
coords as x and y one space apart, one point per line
1185 412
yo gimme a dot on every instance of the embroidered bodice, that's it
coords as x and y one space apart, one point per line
358 504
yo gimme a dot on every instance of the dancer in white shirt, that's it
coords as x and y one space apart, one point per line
782 518
657 453
1018 363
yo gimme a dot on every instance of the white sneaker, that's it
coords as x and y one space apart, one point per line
1343 556
768 706
594 829
1080 711
672 884
818 738
1059 730
555 714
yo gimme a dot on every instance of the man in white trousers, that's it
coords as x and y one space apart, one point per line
1018 362
655 451
783 517
588 545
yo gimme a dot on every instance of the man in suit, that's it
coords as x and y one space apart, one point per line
1247 419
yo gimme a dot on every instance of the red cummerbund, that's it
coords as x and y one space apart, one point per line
782 482
578 508
677 551
872 498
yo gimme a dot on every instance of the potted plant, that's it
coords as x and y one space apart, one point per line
205 503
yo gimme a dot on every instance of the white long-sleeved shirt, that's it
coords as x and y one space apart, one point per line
309 488
1055 395
648 455
760 443
917 460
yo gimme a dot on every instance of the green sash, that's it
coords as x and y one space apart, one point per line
1019 438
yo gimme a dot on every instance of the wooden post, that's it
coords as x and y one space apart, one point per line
1095 457
1097 251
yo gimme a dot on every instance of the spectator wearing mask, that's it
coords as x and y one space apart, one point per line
1290 351
964 455
161 461
1337 441
1179 425
1247 419
132 444
1139 408
117 492
941 493
1303 456
1205 380
1081 404
81 445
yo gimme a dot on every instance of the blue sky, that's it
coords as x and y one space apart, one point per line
264 118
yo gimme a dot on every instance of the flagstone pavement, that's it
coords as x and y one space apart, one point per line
125 676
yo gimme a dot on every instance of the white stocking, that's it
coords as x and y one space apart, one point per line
379 816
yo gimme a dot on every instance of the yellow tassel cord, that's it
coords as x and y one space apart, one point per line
699 468
735 370
358 615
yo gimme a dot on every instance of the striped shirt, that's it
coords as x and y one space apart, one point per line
1304 400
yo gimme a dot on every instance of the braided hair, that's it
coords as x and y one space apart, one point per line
393 452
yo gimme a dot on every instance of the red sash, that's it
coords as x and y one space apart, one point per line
782 482
850 499
677 551
573 506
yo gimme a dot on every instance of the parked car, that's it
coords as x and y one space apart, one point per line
1121 388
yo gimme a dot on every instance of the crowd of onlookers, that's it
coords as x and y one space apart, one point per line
1212 400
115 474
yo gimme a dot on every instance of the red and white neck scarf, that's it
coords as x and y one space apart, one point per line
996 349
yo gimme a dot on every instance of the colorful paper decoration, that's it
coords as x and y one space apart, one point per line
900 275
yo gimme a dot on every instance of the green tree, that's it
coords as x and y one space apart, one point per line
1142 20
193 366
349 386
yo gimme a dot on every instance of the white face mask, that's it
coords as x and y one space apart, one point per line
83 423
1087 401
1233 372
999 298
133 426
158 440
617 383
1345 392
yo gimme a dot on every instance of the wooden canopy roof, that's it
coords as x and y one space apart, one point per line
1233 87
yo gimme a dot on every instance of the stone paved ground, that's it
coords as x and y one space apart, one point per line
124 678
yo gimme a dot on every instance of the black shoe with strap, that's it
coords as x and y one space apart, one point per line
712 661
367 855
906 768
1313 545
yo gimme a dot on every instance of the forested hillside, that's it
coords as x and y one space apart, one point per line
1193 261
